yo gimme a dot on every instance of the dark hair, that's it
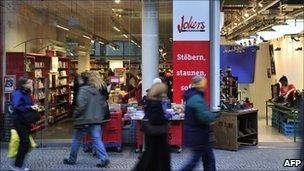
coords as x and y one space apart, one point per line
85 77
283 79
22 81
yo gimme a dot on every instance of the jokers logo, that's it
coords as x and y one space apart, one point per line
191 25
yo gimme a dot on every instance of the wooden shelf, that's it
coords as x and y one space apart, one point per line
61 116
59 86
247 135
58 104
62 94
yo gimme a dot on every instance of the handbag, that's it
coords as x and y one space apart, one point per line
150 129
31 116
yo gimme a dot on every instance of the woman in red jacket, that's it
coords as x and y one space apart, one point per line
135 93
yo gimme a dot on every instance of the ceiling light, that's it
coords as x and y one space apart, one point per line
115 28
85 36
117 1
253 10
235 24
260 4
125 35
246 15
133 42
161 50
92 41
61 27
101 42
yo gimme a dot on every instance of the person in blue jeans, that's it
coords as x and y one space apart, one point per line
197 130
89 115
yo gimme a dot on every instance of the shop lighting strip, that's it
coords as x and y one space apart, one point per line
115 28
63 28
86 37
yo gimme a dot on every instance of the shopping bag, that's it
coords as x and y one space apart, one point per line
14 144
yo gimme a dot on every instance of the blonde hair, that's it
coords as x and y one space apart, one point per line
96 80
157 91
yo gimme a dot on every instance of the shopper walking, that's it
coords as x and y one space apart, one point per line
89 116
156 156
197 130
22 103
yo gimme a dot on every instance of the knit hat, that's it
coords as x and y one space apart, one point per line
199 82
156 80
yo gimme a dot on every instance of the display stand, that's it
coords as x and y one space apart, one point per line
290 113
233 129
175 136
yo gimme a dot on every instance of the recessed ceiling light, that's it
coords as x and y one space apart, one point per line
246 15
117 1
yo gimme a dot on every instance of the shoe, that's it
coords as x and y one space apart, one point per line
14 168
103 163
68 162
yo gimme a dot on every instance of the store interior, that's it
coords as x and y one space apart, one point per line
53 41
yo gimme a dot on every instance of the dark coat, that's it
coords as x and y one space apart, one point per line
21 101
156 156
90 108
197 130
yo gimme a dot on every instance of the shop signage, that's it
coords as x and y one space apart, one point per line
190 45
9 83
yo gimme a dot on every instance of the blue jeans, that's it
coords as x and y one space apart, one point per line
206 153
96 134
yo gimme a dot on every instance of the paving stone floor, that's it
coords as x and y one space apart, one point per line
262 157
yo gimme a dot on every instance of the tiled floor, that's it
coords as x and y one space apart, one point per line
64 130
269 134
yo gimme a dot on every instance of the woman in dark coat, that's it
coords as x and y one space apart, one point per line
156 156
22 102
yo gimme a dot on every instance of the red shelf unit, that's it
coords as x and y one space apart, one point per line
20 64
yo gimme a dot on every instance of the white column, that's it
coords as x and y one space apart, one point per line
150 43
215 55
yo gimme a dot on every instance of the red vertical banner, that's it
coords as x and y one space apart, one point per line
191 46
190 59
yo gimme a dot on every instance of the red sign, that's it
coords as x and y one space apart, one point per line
190 58
191 35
